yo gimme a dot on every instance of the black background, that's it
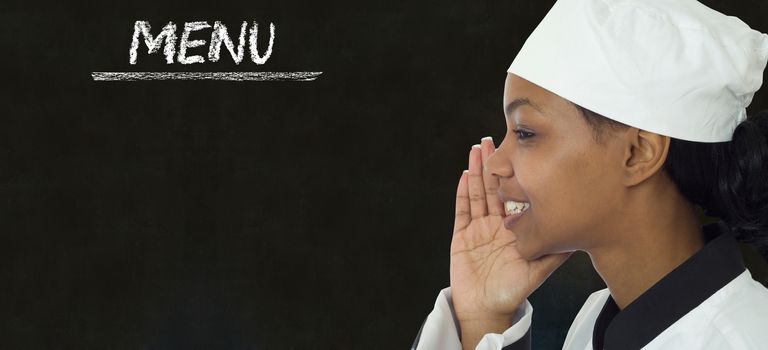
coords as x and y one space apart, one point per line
252 215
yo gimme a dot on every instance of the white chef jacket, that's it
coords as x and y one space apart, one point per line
710 301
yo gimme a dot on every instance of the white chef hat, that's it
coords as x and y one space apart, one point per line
672 67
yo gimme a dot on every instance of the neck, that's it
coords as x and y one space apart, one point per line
643 249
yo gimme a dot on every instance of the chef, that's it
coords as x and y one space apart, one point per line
625 120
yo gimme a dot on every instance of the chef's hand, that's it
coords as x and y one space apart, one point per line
489 278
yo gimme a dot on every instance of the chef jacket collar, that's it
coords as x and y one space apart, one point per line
676 294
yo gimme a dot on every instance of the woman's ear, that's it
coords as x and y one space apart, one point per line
645 155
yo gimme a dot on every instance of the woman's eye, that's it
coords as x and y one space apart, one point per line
522 134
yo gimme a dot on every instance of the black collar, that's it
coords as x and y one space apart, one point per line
676 294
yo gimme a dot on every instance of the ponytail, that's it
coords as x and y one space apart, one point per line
729 180
747 181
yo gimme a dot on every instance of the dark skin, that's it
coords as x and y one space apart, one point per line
611 199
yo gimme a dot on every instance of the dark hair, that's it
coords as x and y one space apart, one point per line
728 180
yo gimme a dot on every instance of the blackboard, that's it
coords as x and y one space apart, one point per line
252 214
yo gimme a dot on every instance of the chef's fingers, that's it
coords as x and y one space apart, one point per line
477 203
495 207
463 217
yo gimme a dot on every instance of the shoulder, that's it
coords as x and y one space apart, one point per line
742 311
733 317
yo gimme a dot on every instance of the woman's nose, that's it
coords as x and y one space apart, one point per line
498 164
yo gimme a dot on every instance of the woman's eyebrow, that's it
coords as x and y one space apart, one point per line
522 101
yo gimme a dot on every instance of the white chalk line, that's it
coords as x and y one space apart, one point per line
229 76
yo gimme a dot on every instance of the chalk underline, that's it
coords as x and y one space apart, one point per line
230 76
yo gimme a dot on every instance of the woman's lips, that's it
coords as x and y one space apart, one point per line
513 209
511 219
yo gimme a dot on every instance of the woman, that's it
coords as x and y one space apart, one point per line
670 81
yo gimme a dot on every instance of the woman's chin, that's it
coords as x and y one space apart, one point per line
529 251
535 250
530 246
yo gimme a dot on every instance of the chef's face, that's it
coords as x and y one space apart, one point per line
550 159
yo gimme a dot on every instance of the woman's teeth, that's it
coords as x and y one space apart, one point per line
512 207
